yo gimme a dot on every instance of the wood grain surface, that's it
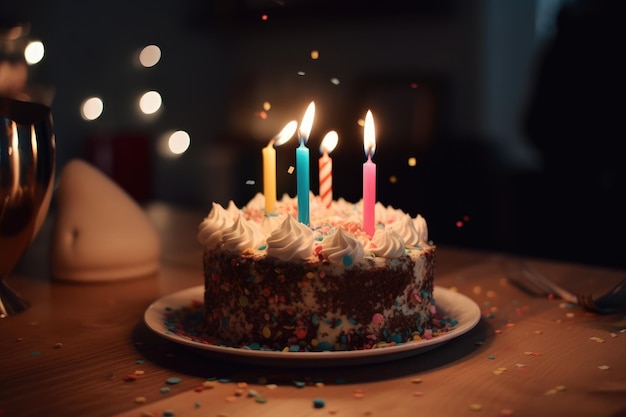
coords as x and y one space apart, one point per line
83 349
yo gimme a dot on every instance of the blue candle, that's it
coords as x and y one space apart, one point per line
302 166
304 182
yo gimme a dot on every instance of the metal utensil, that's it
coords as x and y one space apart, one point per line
27 166
611 302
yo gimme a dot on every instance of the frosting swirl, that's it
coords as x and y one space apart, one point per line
342 248
387 243
292 240
232 209
422 228
210 230
406 229
271 223
241 235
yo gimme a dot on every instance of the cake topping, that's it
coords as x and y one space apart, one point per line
271 223
384 214
242 235
342 214
405 227
211 228
387 243
292 240
422 228
232 209
342 248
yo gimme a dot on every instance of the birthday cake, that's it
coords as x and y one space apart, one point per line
273 283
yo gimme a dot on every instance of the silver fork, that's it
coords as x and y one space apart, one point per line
614 301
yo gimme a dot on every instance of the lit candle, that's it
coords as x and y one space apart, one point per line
302 165
326 167
269 165
369 175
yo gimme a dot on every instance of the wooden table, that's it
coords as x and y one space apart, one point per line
71 353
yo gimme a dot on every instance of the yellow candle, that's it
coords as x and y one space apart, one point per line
269 165
269 177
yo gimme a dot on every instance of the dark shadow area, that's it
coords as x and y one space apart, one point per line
189 361
574 208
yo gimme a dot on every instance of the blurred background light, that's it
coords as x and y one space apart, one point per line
150 56
92 108
179 142
34 52
174 143
150 102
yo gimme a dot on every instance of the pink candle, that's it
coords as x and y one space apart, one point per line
326 168
369 175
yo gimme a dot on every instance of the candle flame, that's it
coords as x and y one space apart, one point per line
369 136
307 123
329 142
286 133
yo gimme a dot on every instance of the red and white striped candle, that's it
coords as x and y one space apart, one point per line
326 167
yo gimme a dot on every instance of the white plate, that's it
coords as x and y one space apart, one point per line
449 303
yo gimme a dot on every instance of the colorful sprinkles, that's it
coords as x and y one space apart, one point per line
188 323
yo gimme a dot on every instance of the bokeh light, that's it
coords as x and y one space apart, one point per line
393 179
335 81
412 161
34 52
150 56
150 102
267 106
91 108
315 54
172 144
179 142
301 73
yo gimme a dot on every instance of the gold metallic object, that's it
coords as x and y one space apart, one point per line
27 168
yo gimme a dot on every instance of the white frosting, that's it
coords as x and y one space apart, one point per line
242 235
256 203
381 214
342 248
405 227
288 239
233 210
422 228
387 243
271 223
211 228
292 240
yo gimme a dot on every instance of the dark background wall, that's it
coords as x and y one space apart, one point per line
449 82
